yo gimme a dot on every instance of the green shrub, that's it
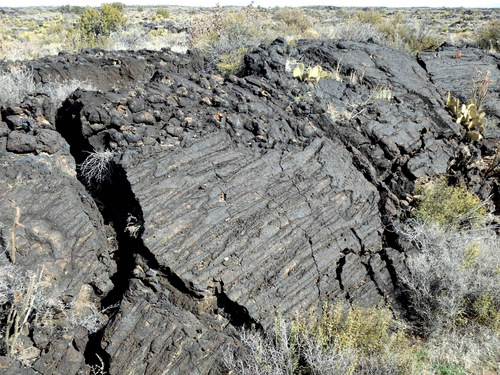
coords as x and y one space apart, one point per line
71 9
371 16
94 24
450 370
485 311
119 6
449 206
412 37
366 330
488 37
231 63
163 12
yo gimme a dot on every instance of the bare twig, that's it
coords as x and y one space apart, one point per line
480 86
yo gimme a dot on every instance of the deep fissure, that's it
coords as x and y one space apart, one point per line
237 314
120 209
117 204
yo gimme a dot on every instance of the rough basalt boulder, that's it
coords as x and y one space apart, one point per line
224 202
107 70
50 229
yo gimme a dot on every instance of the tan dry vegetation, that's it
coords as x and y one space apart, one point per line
226 33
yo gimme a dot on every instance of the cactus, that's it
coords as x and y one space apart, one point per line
468 116
298 72
310 73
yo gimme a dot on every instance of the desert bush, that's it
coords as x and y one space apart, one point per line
265 354
472 351
488 37
369 16
94 24
228 33
96 168
372 337
348 340
131 38
396 30
351 29
118 5
71 9
16 84
28 301
231 63
480 86
295 19
449 206
136 38
60 91
163 12
409 36
454 278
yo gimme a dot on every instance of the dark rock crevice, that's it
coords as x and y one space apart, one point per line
313 256
121 210
69 125
338 269
118 205
390 267
422 63
371 276
237 315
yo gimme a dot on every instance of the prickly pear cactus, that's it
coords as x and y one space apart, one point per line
309 74
299 71
468 116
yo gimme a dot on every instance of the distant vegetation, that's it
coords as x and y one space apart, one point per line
224 34
94 24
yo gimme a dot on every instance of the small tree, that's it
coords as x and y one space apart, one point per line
94 24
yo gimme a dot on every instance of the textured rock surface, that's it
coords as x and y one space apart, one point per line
51 226
227 200
108 70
